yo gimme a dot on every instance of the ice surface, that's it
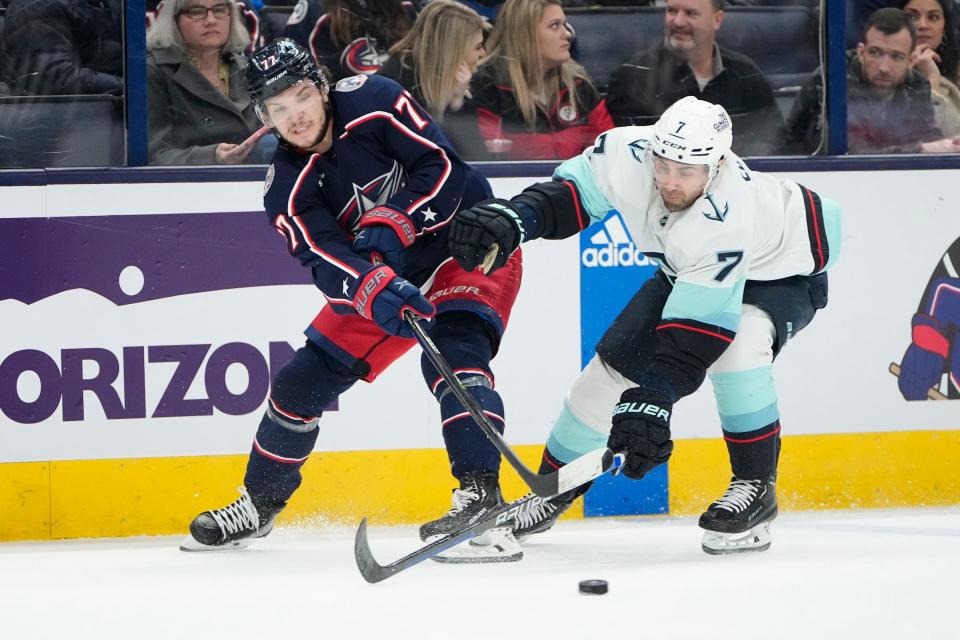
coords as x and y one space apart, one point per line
862 574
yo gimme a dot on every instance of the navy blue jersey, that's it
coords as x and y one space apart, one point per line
386 152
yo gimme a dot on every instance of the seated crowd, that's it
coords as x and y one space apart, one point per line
500 77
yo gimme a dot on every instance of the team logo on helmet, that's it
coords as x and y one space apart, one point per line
722 122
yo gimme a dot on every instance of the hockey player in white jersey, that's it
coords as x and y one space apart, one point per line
743 259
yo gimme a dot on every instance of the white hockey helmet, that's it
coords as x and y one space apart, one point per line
694 131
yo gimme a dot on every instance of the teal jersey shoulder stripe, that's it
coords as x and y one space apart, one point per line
718 306
578 171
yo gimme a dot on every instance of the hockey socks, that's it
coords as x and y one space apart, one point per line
753 454
467 445
278 453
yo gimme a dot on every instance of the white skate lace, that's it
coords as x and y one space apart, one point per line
462 498
739 495
534 513
237 516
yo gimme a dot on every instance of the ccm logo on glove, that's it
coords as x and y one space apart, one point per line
642 407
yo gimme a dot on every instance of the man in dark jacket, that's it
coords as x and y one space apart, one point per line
888 103
63 47
689 63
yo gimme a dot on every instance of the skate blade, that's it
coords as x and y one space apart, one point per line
496 545
753 540
191 544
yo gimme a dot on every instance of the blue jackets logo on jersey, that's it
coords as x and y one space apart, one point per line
371 195
717 215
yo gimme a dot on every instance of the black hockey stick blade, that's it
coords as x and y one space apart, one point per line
545 486
373 572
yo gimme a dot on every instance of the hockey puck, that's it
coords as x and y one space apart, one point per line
595 587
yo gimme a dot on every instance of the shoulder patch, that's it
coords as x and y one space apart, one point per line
269 179
299 13
350 84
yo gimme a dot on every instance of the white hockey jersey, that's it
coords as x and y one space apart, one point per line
747 226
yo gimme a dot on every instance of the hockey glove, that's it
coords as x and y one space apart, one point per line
382 296
641 428
923 363
485 235
384 234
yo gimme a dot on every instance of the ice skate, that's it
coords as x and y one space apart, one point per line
478 495
540 515
740 520
232 527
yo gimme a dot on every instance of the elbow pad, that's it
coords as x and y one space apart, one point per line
558 209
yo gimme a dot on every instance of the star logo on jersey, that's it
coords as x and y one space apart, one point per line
429 215
716 215
346 288
371 195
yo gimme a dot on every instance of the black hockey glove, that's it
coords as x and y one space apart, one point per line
485 235
641 428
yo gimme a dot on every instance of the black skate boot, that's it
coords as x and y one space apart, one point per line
740 520
478 495
540 515
232 527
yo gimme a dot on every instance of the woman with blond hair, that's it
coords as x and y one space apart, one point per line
435 62
198 108
533 101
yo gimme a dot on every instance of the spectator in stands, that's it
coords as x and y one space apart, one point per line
353 36
690 63
64 47
199 111
889 109
435 62
937 57
534 102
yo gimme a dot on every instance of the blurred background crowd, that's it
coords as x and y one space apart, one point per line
507 80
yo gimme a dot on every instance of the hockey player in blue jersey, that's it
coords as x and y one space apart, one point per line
743 259
363 187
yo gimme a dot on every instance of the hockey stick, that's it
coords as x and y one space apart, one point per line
373 572
545 486
932 393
